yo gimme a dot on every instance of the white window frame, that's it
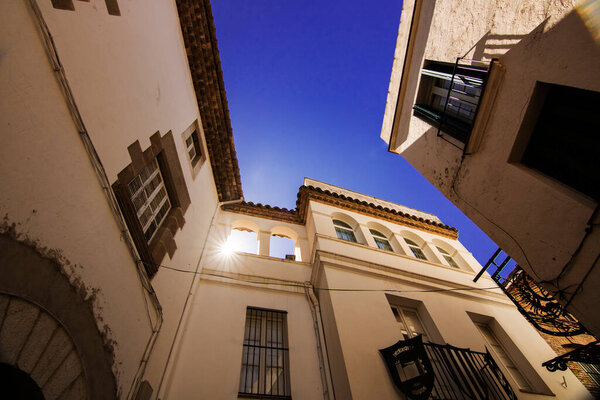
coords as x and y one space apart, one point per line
503 356
193 148
150 198
342 228
380 239
449 260
400 313
415 249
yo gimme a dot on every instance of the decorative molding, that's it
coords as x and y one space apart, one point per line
307 193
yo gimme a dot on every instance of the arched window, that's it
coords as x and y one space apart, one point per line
344 231
448 258
380 240
415 249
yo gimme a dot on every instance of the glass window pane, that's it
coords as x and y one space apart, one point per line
383 244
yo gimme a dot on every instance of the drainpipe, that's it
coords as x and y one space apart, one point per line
104 182
186 307
324 367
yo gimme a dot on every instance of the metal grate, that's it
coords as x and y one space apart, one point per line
536 304
465 374
265 357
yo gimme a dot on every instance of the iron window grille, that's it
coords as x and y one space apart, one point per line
265 357
149 198
344 231
448 258
416 250
449 95
380 240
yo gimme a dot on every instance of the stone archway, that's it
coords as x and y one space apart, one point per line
34 344
48 330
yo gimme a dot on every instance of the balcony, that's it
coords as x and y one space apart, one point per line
439 372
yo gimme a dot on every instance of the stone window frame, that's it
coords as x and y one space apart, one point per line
197 135
162 148
112 6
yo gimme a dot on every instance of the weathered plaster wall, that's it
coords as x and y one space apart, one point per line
538 221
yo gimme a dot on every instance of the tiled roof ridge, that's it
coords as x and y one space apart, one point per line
199 36
374 206
298 215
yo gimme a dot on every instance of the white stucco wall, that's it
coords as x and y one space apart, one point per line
130 79
359 323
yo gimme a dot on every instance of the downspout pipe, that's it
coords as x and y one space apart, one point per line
104 182
324 367
187 305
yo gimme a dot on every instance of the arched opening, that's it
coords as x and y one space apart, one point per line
384 238
346 228
17 384
48 329
450 255
242 240
418 247
282 247
284 243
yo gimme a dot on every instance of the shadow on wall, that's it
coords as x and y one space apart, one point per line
565 54
494 45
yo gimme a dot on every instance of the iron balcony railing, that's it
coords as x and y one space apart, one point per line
539 306
462 374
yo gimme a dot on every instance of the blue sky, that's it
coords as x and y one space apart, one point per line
306 83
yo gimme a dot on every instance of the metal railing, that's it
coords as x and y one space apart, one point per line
538 305
466 374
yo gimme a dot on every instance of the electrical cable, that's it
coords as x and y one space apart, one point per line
453 187
324 289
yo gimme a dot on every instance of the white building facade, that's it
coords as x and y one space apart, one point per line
120 189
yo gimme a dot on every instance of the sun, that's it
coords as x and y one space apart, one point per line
228 248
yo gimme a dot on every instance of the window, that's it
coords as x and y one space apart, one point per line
344 231
416 250
502 355
153 198
380 240
149 198
448 258
193 147
556 137
265 358
449 95
409 322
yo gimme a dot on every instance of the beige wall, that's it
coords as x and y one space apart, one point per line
129 80
534 41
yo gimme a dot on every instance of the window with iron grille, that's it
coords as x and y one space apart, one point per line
449 96
265 356
149 198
